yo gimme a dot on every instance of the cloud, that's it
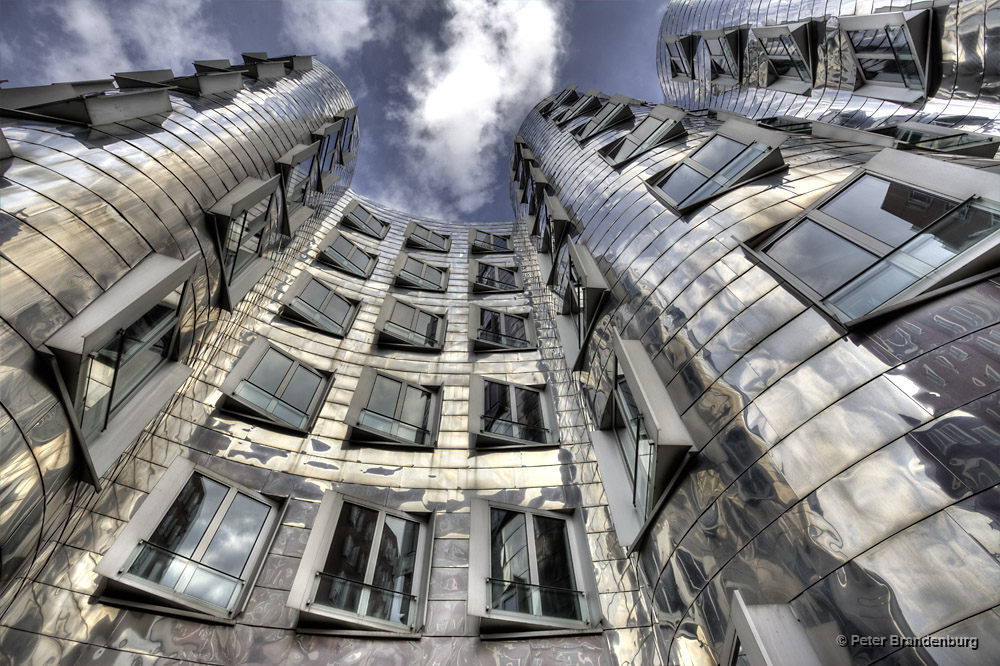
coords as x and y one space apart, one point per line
331 30
467 94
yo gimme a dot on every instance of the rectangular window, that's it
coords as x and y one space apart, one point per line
890 52
359 219
513 412
567 96
401 324
314 304
196 543
680 52
584 291
485 242
421 237
725 53
490 278
416 274
788 51
589 101
615 112
341 252
662 124
502 331
390 410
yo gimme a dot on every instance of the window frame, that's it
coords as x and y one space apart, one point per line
955 182
231 403
124 303
232 207
594 286
585 103
915 26
770 634
347 222
146 519
563 98
411 239
801 36
478 287
300 319
769 161
484 440
478 344
616 111
294 216
487 247
502 623
386 338
317 550
363 435
684 59
399 267
662 112
326 259
735 41
328 136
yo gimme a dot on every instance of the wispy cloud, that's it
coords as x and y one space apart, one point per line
467 93
331 30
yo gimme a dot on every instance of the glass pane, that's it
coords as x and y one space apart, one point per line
681 183
555 568
416 404
496 400
314 294
773 46
793 52
337 309
348 559
875 40
509 560
394 565
717 152
426 325
891 212
211 586
402 314
529 407
183 525
880 70
871 289
514 327
238 532
385 394
271 371
819 257
905 59
301 388
489 320
657 136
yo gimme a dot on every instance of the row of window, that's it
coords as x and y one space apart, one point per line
890 51
198 542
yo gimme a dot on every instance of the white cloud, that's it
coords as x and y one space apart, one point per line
331 30
498 59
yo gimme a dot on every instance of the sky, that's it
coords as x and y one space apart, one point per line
441 86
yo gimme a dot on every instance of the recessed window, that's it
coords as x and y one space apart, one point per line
765 634
891 53
391 410
496 330
422 238
118 357
509 415
416 274
273 387
680 52
615 112
585 290
528 570
484 242
365 567
725 54
359 219
244 219
567 96
341 252
736 153
487 278
788 50
661 125
588 102
195 543
299 171
901 226
402 325
312 303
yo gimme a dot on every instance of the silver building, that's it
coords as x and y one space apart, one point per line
726 391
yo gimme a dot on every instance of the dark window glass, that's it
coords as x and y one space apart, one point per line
717 152
819 257
681 182
555 568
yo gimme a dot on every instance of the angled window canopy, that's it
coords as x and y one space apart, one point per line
416 274
201 84
328 134
84 102
661 125
486 242
296 63
766 635
393 411
614 112
680 51
299 169
496 330
726 49
262 70
551 224
910 135
790 54
357 218
567 96
422 238
891 52
510 415
586 103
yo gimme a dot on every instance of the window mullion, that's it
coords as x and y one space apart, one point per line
286 379
848 232
213 525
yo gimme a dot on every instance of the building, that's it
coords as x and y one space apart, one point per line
724 391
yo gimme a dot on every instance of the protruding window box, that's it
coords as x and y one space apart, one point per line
661 125
737 153
551 223
680 52
766 635
567 96
588 102
790 54
347 148
420 237
494 330
584 297
295 63
201 84
100 104
415 274
615 112
243 220
359 219
328 134
726 52
406 326
505 415
299 168
365 568
891 53
490 279
270 386
912 135
312 303
389 410
535 188
342 253
484 242
117 360
262 71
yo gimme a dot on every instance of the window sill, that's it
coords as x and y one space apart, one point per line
359 435
794 86
157 609
890 93
233 293
500 624
299 217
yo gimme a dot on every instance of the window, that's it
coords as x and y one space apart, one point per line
494 330
271 386
301 63
551 224
390 410
614 112
529 570
939 139
483 242
585 290
765 634
299 170
661 125
328 155
567 96
340 252
244 218
488 278
359 219
421 237
534 188
346 138
680 52
195 543
117 359
201 84
364 566
510 416
738 152
725 54
85 103
891 53
903 225
789 124
523 159
788 50
416 274
588 102
312 303
402 325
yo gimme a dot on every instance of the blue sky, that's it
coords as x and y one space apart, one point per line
441 86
